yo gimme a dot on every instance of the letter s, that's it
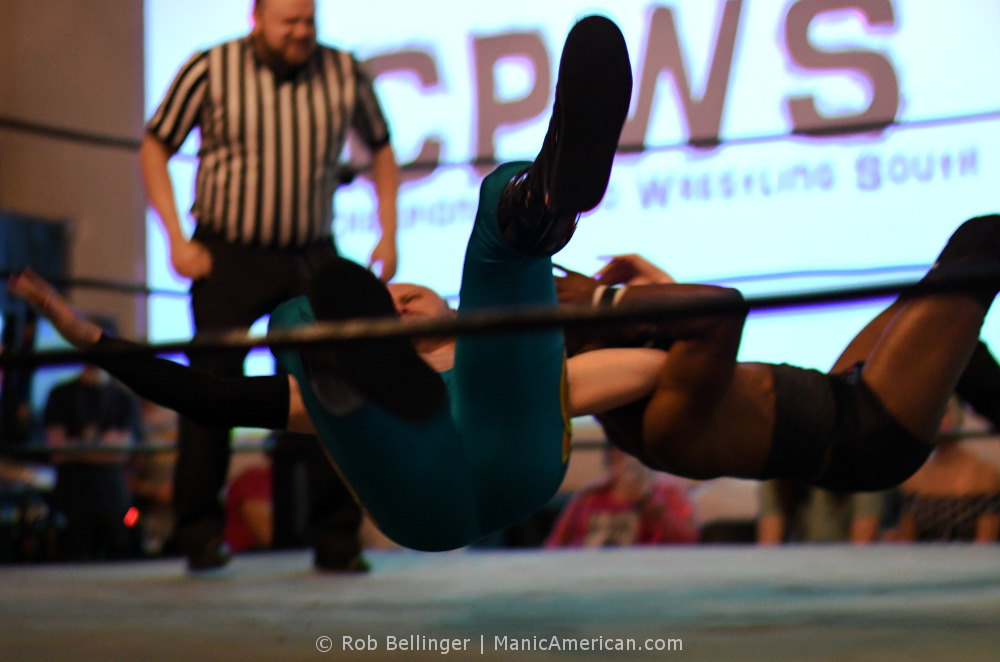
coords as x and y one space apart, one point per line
874 66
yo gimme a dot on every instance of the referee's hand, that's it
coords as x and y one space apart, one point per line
191 259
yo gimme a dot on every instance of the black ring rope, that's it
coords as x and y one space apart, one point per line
42 449
832 272
512 320
350 170
71 135
133 144
28 450
101 284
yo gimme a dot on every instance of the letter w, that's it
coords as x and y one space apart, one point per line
663 54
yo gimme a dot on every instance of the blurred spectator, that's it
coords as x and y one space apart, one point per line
792 512
630 505
151 478
250 508
955 496
98 419
725 510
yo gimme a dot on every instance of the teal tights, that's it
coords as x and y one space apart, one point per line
497 452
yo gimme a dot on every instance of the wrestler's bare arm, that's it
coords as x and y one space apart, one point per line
604 379
82 333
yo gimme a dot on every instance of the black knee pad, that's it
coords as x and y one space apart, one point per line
976 239
973 246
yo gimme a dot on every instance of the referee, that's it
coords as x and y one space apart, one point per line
273 109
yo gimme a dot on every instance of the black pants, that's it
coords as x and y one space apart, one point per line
310 505
93 499
246 283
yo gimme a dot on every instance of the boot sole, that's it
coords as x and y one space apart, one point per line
595 81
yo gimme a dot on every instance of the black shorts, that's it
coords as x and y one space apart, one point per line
820 416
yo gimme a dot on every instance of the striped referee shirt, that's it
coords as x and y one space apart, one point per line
268 161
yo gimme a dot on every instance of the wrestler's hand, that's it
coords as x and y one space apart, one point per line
632 269
384 254
574 287
190 259
38 293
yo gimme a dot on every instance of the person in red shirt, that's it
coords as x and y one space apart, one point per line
249 510
630 505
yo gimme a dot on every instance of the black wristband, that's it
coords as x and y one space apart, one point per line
607 297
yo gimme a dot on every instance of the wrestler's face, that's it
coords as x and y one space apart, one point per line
284 31
417 302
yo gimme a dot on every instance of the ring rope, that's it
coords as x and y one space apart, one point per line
22 125
833 272
102 284
510 320
35 448
9 450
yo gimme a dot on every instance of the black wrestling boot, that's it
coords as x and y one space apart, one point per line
356 564
387 372
213 555
538 209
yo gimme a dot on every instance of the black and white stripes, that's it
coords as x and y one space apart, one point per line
269 146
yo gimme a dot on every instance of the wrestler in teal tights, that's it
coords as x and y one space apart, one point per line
497 452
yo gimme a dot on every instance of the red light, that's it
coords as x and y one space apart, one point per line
131 517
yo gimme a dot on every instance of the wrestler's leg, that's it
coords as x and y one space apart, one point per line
861 346
540 206
978 385
509 396
926 340
507 400
410 475
913 355
919 357
211 400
